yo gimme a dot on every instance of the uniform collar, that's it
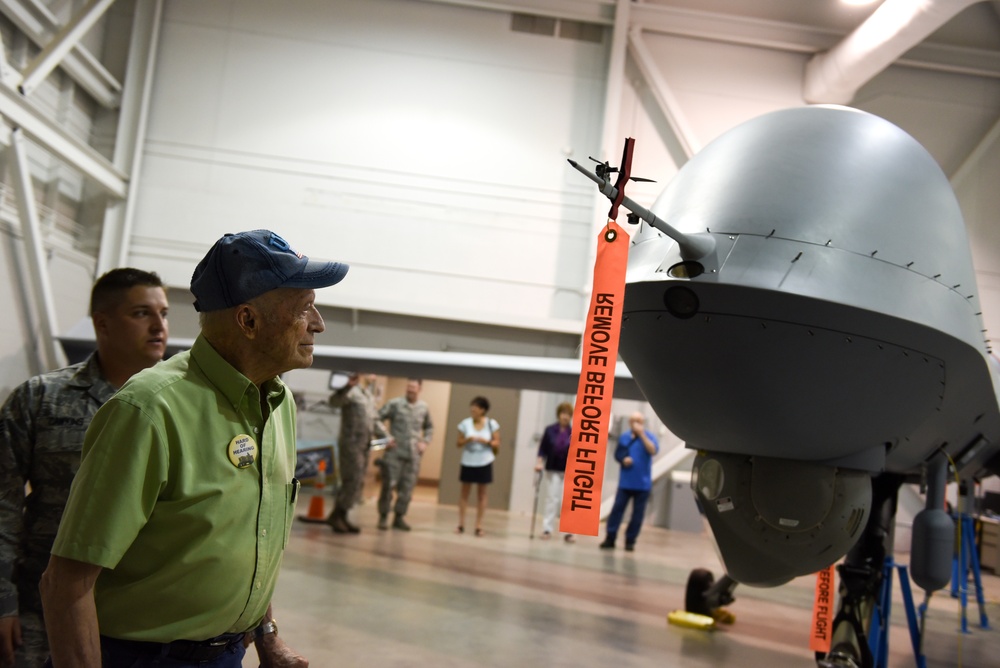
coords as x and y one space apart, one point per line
89 377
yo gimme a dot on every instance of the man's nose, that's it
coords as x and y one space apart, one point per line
317 325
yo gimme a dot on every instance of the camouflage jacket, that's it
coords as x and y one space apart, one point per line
42 426
358 419
408 423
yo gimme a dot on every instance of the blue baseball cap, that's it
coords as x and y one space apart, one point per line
242 266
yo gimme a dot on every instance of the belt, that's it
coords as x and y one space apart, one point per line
182 650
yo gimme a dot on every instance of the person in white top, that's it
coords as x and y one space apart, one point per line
479 440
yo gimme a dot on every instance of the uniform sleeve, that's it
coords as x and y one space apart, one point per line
123 471
17 429
428 427
339 398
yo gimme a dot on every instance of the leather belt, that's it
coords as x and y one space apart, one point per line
192 651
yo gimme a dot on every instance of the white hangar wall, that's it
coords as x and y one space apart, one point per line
423 144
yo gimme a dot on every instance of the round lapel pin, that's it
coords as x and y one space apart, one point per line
242 451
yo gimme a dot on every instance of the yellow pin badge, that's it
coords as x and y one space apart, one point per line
242 451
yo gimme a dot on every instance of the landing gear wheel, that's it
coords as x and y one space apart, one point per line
698 583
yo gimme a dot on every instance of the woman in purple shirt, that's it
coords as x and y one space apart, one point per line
552 453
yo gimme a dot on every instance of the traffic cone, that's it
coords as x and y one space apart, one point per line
316 514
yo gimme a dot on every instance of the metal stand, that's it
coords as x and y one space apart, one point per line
878 630
966 560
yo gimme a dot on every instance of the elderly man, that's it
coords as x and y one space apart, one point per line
42 425
635 451
169 550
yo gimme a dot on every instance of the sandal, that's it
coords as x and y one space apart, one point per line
546 535
479 532
460 529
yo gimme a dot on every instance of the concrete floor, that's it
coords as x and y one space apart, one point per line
432 597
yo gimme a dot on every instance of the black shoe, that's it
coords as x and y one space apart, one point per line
608 544
337 522
398 523
630 547
383 522
351 528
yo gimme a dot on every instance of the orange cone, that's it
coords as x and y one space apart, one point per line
316 512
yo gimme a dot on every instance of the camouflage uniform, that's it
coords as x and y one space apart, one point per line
42 425
408 423
358 422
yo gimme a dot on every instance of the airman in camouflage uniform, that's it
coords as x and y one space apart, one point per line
42 428
411 429
358 423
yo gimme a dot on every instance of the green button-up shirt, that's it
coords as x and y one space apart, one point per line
190 542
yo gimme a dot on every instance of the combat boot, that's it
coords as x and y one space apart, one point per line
398 523
338 521
383 522
351 528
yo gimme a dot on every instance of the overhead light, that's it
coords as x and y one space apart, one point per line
858 3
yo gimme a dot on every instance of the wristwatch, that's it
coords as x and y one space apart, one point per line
264 629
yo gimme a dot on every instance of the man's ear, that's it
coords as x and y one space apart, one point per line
248 320
100 320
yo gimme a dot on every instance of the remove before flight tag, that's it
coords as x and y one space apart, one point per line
581 507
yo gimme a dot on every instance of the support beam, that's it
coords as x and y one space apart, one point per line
131 134
975 155
671 108
588 11
38 24
797 38
20 112
51 354
610 141
893 29
65 40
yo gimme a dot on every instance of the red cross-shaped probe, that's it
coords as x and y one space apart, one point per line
623 175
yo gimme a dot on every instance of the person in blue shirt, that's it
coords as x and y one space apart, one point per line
635 451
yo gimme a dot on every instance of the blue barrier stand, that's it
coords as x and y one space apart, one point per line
878 630
963 564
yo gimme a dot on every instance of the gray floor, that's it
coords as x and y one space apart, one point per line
432 597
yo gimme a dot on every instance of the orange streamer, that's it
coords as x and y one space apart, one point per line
823 604
581 507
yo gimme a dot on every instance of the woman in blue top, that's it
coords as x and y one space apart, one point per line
479 438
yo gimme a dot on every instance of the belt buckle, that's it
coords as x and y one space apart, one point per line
206 650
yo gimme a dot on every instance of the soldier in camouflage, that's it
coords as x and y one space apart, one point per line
410 429
358 423
42 426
